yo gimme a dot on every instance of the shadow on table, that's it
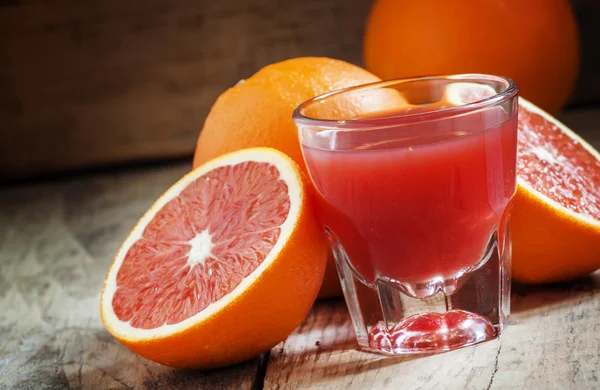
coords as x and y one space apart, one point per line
343 361
528 300
89 358
240 376
326 340
147 375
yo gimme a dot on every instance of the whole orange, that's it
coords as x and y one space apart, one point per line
534 42
258 112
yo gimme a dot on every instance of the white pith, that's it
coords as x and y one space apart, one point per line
200 250
288 173
572 214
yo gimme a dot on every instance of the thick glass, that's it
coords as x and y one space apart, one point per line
415 178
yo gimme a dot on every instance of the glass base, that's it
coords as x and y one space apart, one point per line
397 318
431 332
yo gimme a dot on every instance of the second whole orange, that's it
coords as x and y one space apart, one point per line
534 42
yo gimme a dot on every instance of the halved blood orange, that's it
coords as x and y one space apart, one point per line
221 268
556 216
555 220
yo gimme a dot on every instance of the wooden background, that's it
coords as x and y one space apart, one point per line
102 82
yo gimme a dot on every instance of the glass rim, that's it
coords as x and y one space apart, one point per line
355 124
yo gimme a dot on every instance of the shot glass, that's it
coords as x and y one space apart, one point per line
415 179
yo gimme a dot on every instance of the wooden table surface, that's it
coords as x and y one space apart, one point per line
58 237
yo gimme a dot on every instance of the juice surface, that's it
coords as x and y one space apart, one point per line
418 208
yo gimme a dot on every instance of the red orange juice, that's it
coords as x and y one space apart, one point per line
423 206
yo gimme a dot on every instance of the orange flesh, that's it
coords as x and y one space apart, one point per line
557 165
167 277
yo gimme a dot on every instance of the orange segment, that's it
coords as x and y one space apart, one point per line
221 268
571 172
556 217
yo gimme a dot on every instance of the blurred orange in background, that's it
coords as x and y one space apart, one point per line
534 42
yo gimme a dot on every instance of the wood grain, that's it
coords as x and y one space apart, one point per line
552 341
57 241
104 81
91 83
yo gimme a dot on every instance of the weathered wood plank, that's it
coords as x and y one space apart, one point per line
552 341
56 243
